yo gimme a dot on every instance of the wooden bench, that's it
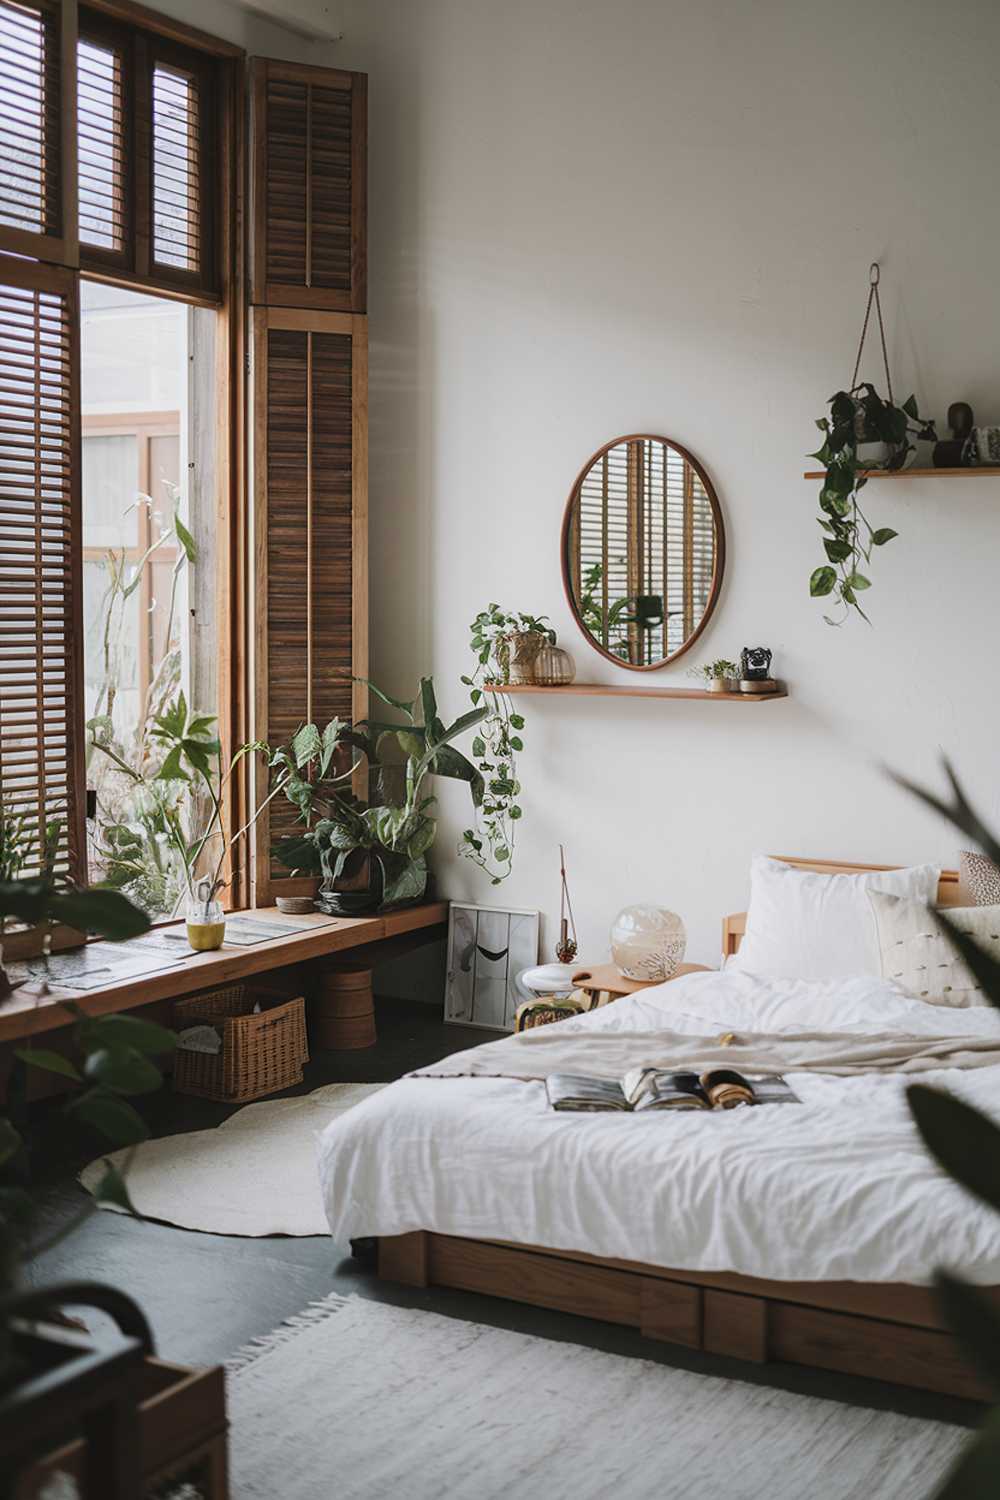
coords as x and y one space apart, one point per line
30 1011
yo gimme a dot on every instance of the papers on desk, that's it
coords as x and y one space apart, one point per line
93 967
246 928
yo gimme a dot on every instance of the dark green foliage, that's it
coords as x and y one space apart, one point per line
319 767
967 1145
856 416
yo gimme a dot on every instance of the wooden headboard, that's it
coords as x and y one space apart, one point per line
733 927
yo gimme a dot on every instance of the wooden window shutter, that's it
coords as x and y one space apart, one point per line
41 660
308 175
310 538
38 129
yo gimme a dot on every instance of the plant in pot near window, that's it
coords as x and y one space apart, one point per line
393 831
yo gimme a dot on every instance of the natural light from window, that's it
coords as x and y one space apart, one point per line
149 563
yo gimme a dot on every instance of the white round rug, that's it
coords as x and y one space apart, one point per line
255 1174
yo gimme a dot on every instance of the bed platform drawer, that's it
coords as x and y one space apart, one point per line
882 1332
921 1357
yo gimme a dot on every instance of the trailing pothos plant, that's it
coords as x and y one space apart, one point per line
490 844
858 417
396 828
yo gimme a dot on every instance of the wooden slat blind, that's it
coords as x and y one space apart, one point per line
309 144
310 524
37 129
177 194
41 710
104 146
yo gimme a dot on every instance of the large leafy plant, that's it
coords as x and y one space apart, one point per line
857 417
967 1145
396 828
490 844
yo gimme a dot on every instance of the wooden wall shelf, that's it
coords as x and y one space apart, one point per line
618 690
984 471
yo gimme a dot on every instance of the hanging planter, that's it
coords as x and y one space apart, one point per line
864 431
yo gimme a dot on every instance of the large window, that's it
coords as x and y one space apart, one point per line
149 568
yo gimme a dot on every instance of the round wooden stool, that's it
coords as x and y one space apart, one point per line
342 1013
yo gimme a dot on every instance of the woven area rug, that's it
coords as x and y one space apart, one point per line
253 1175
359 1400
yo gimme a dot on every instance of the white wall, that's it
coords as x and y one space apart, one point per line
594 218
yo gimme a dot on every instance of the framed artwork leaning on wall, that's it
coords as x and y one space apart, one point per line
488 947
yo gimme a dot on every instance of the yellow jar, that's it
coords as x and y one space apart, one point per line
206 921
204 936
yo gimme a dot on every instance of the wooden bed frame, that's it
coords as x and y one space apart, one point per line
887 1332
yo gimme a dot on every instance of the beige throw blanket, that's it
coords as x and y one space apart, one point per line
610 1054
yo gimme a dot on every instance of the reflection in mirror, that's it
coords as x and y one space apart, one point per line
643 550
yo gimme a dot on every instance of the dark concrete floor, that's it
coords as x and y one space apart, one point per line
206 1295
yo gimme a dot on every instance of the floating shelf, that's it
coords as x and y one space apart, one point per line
982 472
615 690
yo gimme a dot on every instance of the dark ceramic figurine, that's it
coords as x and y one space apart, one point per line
948 453
755 662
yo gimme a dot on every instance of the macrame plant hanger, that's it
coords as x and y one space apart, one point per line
874 276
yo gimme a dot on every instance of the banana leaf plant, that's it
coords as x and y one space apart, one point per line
967 1145
396 829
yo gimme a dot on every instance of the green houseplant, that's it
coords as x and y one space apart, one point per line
862 432
394 829
490 844
967 1145
720 676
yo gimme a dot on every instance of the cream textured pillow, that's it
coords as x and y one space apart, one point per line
805 925
917 955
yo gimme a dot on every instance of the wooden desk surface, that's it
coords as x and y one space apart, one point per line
29 1012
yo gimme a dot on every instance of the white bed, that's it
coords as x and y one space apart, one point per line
837 1189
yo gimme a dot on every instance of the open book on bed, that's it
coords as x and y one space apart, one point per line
659 1088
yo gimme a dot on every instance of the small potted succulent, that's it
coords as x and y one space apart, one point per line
720 676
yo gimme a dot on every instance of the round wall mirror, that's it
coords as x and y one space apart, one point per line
643 550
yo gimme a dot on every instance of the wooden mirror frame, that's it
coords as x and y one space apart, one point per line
719 564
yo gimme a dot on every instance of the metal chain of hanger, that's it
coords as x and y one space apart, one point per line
874 275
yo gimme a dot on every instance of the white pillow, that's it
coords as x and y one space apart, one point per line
920 958
802 925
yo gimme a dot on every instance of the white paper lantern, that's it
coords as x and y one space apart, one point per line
648 942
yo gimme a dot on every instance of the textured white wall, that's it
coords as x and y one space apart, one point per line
591 217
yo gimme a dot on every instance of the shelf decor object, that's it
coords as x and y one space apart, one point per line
648 942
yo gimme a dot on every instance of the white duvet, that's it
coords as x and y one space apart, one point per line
837 1189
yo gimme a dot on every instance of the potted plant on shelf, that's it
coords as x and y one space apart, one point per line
719 676
863 432
395 830
495 749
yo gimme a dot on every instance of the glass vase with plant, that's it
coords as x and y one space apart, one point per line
490 844
192 757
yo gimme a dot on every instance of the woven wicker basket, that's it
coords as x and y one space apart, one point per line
260 1053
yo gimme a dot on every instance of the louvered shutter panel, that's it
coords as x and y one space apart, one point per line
310 538
105 108
38 129
41 670
309 153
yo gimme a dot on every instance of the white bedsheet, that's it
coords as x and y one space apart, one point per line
839 1188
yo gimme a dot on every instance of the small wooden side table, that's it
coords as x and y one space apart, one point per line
608 980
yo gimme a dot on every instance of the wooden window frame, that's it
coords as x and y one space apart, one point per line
60 248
